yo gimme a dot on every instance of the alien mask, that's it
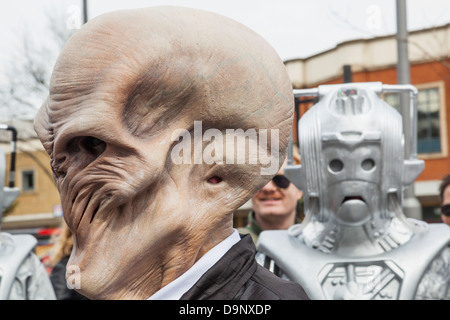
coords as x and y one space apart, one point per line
124 86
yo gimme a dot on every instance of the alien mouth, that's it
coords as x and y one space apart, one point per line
347 198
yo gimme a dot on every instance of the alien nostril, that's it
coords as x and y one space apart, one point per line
214 180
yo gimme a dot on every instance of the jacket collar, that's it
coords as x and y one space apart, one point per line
228 275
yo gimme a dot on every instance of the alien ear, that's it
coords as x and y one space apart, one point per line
411 170
296 174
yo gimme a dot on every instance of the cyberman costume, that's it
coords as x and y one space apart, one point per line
355 241
22 275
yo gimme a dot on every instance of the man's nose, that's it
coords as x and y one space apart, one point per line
269 187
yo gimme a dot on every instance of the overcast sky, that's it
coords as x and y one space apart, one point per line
296 28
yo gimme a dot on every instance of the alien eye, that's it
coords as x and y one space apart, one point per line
91 141
93 145
367 164
336 165
215 180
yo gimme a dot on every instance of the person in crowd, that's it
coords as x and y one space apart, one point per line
444 194
141 105
276 206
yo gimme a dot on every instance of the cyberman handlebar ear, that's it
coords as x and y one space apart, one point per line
412 166
293 172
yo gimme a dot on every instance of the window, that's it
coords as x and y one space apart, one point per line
428 126
393 99
431 128
28 180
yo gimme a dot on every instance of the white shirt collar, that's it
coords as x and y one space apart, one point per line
175 289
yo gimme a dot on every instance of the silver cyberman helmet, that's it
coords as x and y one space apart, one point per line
353 170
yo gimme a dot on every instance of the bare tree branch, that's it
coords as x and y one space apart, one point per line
28 76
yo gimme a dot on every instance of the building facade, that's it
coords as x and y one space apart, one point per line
38 204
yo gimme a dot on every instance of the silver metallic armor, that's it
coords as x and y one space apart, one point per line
22 275
355 242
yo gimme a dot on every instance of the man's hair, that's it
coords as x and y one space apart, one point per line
445 182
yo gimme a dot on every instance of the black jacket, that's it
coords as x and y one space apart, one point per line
237 276
58 279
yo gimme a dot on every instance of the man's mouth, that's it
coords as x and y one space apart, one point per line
269 199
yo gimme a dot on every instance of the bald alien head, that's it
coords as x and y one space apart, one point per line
139 121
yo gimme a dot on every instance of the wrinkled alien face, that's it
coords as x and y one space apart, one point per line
352 180
122 86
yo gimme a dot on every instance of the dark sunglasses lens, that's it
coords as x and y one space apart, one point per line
281 181
446 210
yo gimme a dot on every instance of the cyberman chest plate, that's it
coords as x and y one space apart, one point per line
366 280
393 275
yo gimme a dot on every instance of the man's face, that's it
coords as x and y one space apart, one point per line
446 201
272 201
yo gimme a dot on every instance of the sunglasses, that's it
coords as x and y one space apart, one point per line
281 181
446 210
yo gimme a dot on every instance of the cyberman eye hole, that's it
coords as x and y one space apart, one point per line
368 164
336 165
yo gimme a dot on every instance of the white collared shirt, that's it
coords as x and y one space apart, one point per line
179 286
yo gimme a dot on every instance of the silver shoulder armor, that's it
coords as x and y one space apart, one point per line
418 269
13 251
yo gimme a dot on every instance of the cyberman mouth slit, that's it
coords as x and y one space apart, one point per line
347 198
